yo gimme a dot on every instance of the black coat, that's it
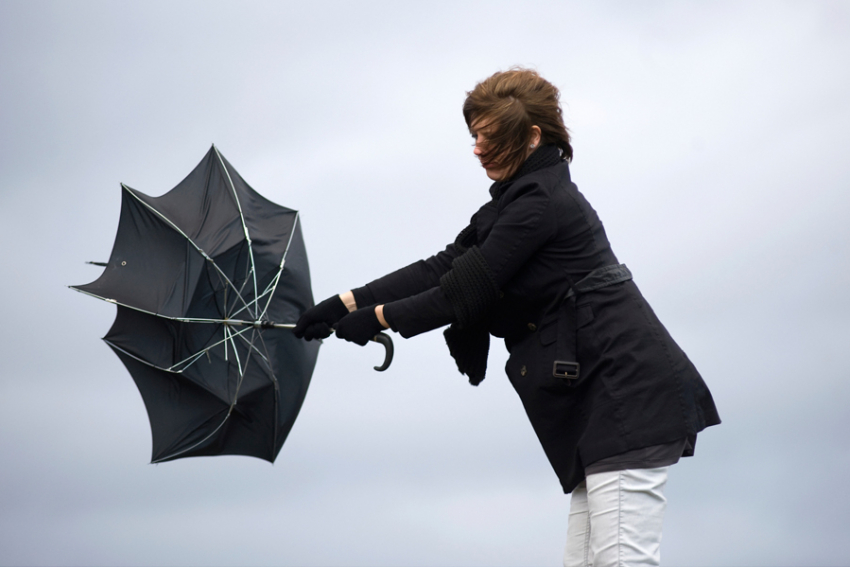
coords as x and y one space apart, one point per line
539 236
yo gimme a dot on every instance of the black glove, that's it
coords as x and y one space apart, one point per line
317 321
359 326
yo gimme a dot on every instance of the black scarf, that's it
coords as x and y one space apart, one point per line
545 156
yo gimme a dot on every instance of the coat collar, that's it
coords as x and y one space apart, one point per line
545 156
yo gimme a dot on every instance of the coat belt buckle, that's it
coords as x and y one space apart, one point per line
566 370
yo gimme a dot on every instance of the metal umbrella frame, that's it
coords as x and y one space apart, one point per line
202 322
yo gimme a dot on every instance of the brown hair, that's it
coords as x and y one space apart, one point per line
511 102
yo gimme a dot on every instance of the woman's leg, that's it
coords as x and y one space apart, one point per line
626 509
577 553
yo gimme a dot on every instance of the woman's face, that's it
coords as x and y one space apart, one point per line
480 130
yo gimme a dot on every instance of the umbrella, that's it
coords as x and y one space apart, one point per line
208 279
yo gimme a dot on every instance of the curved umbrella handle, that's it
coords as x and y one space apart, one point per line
387 341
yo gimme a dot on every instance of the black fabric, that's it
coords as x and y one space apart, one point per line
656 456
210 388
601 277
470 287
472 291
539 236
469 348
466 239
359 326
316 322
545 156
363 297
566 366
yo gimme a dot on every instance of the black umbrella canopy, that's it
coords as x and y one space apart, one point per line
208 279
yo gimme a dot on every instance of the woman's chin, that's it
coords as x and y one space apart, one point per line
494 173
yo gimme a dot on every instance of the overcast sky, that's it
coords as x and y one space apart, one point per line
712 138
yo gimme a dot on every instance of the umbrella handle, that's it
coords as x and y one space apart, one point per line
387 341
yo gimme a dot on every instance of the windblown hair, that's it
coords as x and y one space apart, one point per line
509 103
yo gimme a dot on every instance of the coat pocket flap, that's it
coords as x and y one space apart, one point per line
549 332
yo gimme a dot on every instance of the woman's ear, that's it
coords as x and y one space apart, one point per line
535 136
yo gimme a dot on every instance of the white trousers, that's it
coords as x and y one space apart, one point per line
615 519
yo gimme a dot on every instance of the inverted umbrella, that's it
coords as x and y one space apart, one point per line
208 280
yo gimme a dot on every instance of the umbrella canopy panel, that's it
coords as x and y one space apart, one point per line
200 276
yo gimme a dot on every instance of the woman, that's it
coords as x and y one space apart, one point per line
612 398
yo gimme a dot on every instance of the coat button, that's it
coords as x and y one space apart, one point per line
532 327
523 371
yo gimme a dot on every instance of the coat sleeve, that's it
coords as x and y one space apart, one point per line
410 280
524 224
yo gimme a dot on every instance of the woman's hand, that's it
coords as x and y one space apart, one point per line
317 321
360 326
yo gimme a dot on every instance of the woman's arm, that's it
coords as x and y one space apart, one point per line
379 312
408 281
523 226
348 300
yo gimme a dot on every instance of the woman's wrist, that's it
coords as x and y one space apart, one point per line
379 313
348 300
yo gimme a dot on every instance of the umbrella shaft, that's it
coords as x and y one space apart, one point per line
259 324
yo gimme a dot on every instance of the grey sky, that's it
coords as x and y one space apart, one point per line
712 139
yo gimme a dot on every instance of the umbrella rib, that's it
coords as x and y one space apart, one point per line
221 307
260 354
180 319
239 368
157 367
232 404
274 381
241 289
271 287
264 357
241 309
170 369
187 449
268 363
280 270
194 358
255 302
192 242
250 350
229 334
242 218
142 360
199 354
225 341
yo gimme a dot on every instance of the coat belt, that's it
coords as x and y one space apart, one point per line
566 364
